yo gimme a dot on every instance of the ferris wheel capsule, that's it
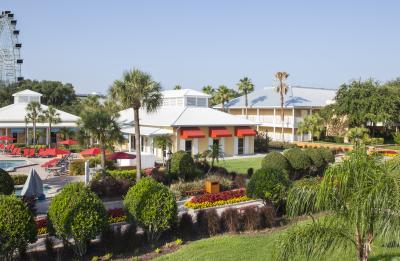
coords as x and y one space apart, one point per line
10 60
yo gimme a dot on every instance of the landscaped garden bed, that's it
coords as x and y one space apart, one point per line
217 199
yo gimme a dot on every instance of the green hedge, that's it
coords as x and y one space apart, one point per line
327 155
316 157
77 167
275 160
6 183
182 164
19 179
123 174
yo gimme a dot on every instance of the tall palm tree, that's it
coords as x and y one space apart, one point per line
137 90
223 95
50 116
361 197
282 89
178 87
33 114
208 89
245 86
101 124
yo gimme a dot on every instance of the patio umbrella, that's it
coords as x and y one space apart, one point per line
55 152
91 152
6 138
121 155
33 186
68 142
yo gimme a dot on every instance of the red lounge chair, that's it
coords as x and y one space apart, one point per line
26 152
50 163
16 152
41 152
1 146
31 153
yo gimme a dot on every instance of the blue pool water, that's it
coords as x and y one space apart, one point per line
5 164
46 189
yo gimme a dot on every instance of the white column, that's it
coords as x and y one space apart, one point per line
235 145
210 142
246 145
293 124
274 123
181 144
309 134
130 142
47 136
195 145
258 118
222 145
7 135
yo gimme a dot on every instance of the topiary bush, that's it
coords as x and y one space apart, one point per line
317 160
19 179
275 160
77 167
186 226
299 162
230 220
327 155
6 183
251 219
17 226
152 206
182 164
79 214
270 185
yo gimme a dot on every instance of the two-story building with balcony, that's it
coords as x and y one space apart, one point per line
191 125
264 108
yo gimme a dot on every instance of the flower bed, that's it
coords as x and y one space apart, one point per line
41 224
116 215
217 199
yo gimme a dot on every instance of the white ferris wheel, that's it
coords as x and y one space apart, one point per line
10 60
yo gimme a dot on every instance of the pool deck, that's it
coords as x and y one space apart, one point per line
47 178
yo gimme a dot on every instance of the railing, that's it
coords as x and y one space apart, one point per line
269 120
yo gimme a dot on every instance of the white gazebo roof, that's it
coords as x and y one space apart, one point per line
27 93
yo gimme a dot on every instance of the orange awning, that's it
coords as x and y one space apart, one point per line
191 133
245 131
219 132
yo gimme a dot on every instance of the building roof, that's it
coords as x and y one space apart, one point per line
183 92
183 116
27 93
14 116
148 131
296 96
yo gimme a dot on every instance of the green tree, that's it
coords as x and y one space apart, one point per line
33 114
361 195
162 142
357 135
17 226
223 94
102 126
313 124
214 153
245 87
51 116
178 87
6 183
282 89
208 89
137 90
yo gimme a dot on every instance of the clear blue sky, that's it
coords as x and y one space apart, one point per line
89 43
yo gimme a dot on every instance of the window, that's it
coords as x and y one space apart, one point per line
191 101
240 146
188 146
201 102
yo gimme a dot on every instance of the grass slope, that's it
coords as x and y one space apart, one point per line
240 165
256 247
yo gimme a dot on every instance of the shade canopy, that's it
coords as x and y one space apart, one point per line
245 131
33 186
219 132
68 142
91 152
121 155
55 152
6 138
191 133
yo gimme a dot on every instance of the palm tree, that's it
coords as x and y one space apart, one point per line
50 116
214 153
66 133
361 197
245 86
208 89
178 87
101 124
137 90
223 95
33 114
282 89
314 124
162 142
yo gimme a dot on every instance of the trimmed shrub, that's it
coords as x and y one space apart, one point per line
230 220
182 164
251 219
186 227
19 179
250 172
93 161
123 174
213 222
267 216
17 226
6 183
79 214
315 157
202 222
275 160
77 167
281 145
327 155
270 185
108 186
299 162
152 205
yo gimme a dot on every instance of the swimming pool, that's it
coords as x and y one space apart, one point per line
11 164
48 190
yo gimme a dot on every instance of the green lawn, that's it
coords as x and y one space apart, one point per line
256 247
394 147
241 165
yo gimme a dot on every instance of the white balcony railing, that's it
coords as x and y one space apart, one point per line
270 121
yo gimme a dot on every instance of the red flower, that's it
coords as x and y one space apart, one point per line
219 196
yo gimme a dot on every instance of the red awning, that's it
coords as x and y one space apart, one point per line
219 132
245 131
192 133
